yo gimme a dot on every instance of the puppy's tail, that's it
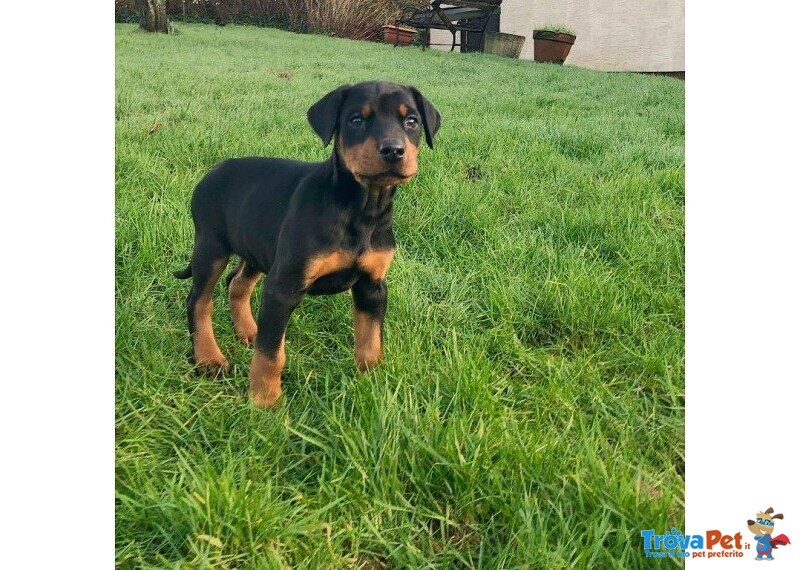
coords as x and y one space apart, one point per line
183 273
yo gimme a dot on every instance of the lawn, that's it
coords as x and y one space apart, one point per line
529 412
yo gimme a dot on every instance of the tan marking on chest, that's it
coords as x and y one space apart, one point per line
327 263
375 263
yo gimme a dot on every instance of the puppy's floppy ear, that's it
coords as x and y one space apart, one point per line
431 120
324 114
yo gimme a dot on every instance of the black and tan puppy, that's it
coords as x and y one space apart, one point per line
316 228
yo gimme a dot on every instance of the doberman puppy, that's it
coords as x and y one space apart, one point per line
311 228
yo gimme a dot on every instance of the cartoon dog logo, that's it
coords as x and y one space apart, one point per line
762 529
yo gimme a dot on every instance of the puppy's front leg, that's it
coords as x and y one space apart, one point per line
277 304
369 310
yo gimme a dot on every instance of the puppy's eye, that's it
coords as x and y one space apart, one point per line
411 123
357 120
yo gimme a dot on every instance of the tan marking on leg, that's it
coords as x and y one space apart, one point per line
208 358
239 292
375 263
265 377
326 263
369 351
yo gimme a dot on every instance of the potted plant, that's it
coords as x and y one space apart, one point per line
551 44
398 35
508 45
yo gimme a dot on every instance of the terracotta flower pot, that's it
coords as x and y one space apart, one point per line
551 47
398 35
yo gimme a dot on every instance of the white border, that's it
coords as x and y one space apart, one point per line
743 245
743 293
57 238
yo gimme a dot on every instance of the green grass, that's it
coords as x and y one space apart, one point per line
529 412
556 28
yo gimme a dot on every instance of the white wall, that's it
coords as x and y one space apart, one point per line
612 35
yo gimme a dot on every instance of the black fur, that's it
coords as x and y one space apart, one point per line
278 214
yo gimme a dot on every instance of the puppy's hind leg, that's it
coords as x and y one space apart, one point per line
241 282
208 264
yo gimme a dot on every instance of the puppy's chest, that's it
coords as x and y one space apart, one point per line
344 266
358 238
357 246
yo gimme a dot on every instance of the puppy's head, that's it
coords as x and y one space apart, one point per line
377 128
764 523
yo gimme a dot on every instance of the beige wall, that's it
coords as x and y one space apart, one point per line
612 35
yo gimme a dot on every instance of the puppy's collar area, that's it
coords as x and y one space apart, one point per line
370 199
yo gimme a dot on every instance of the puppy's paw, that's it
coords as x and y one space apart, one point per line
213 367
267 399
366 362
246 333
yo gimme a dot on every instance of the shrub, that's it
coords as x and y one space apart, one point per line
356 19
125 11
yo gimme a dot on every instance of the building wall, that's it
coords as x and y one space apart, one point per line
612 35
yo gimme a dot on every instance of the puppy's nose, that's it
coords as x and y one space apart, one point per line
392 150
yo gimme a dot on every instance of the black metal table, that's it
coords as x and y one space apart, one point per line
456 16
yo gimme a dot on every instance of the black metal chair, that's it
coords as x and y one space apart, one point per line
456 16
